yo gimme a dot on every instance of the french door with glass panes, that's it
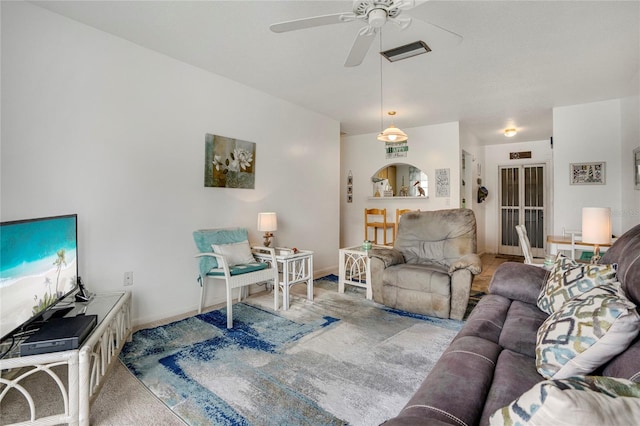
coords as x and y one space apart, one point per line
522 200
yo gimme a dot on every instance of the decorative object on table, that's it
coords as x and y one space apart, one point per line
636 167
367 245
267 223
442 183
596 228
588 173
229 163
379 186
404 190
350 187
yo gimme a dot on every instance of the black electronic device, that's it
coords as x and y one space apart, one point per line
60 334
82 295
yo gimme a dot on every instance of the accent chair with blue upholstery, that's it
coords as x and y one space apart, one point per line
226 256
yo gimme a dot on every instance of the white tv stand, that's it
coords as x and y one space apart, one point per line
87 365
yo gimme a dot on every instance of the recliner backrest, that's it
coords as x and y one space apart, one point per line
439 236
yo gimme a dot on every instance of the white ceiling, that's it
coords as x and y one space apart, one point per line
517 61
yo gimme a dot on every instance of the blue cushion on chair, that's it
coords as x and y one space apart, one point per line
204 238
238 269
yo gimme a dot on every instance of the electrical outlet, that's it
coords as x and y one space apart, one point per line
128 278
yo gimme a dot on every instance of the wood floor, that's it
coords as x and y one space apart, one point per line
489 264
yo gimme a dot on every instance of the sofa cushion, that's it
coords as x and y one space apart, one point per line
521 327
517 281
625 365
626 253
586 332
514 374
568 279
574 401
487 318
464 369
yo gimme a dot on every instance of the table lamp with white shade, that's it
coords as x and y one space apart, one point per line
596 228
267 223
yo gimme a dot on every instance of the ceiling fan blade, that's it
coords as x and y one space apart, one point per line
360 46
405 4
316 21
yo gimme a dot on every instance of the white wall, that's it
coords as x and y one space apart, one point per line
430 148
630 209
95 125
584 134
477 171
496 156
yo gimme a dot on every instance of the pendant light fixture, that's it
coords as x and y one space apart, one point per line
391 134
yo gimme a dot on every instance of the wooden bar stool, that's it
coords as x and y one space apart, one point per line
377 219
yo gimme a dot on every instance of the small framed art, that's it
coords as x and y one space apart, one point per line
588 173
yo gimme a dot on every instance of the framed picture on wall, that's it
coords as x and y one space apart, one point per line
636 168
588 173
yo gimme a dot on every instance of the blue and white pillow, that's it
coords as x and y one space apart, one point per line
568 279
584 400
586 332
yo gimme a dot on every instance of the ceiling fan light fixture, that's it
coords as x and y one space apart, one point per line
377 18
510 132
392 135
406 51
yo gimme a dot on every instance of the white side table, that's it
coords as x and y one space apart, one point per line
87 365
294 268
354 269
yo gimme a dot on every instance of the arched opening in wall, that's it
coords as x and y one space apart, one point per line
400 180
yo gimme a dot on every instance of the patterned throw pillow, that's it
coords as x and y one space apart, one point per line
582 400
586 332
568 279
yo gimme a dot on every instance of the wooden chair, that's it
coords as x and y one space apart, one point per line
218 267
525 245
379 221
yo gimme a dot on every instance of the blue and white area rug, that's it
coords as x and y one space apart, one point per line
340 359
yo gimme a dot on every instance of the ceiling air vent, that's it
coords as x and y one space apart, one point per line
408 50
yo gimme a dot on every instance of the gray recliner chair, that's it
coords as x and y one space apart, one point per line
431 266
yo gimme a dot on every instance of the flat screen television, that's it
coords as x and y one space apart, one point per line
38 268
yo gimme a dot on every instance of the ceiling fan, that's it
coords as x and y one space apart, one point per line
374 13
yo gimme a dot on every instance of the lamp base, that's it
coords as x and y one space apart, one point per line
267 239
596 255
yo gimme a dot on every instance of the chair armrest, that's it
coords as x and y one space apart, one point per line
518 281
388 256
222 263
379 260
471 262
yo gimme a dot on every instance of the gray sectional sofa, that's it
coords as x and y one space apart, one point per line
492 361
